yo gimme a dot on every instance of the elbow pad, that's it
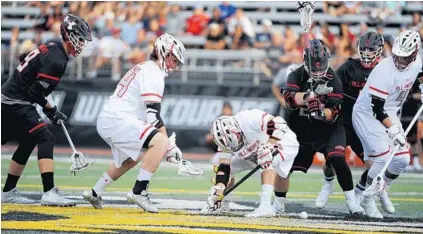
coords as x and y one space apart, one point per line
153 115
335 113
378 110
223 174
36 92
290 100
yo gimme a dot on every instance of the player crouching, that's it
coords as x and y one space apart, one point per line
130 121
251 138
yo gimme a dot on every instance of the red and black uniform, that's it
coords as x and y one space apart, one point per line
319 134
353 76
36 77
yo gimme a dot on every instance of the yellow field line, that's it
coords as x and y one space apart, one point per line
112 219
189 191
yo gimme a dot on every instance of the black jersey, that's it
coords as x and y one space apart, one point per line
299 120
36 76
353 77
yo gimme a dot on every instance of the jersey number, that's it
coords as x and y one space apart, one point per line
401 98
126 80
28 58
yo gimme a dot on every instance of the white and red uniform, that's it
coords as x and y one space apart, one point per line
387 83
123 121
252 123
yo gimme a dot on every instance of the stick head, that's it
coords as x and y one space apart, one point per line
79 162
186 168
376 187
306 9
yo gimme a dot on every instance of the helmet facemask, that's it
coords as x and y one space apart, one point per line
368 57
404 62
317 71
77 43
172 63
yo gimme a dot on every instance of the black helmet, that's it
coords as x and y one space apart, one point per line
370 48
316 60
76 32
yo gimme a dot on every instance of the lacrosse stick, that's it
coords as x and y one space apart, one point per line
306 9
184 167
79 162
378 183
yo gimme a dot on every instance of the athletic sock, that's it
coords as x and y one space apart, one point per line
280 194
266 193
48 181
11 182
143 180
329 179
104 181
144 175
349 195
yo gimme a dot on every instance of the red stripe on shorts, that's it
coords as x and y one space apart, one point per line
145 131
381 154
38 126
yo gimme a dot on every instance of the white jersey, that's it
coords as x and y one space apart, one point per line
252 123
386 82
142 84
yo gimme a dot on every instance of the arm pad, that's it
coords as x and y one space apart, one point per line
290 100
223 174
378 110
335 113
153 115
36 92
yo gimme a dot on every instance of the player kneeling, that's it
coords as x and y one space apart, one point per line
251 138
130 121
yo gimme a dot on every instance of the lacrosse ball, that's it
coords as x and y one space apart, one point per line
303 215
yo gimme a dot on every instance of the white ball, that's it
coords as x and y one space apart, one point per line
303 215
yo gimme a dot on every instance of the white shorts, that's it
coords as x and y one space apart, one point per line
125 136
281 164
376 142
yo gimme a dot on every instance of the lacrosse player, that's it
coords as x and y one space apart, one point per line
130 121
375 112
314 94
353 74
247 139
34 79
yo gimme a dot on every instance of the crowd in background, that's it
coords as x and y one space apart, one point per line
125 31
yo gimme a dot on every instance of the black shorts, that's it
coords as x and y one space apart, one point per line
354 142
412 135
18 121
326 142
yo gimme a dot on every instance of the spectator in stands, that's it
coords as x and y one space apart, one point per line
290 39
417 22
363 28
44 20
174 19
57 14
56 33
227 10
197 23
217 19
347 38
337 8
130 30
215 39
294 54
327 37
154 30
240 40
264 39
111 50
247 27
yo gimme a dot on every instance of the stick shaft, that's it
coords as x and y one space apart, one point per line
229 190
67 136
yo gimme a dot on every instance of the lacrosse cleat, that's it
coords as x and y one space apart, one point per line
54 198
14 197
224 207
369 205
354 206
324 194
279 205
96 202
143 201
386 202
265 208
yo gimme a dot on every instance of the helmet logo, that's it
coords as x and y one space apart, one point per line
318 64
367 42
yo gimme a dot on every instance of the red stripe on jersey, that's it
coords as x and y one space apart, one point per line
381 154
38 126
293 86
145 131
150 94
262 121
402 153
336 95
378 90
48 76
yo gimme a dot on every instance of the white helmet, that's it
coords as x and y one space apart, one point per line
227 134
406 48
166 46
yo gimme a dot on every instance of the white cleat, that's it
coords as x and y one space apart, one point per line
324 194
354 206
54 198
225 207
386 202
142 200
279 205
14 197
96 202
264 210
369 205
